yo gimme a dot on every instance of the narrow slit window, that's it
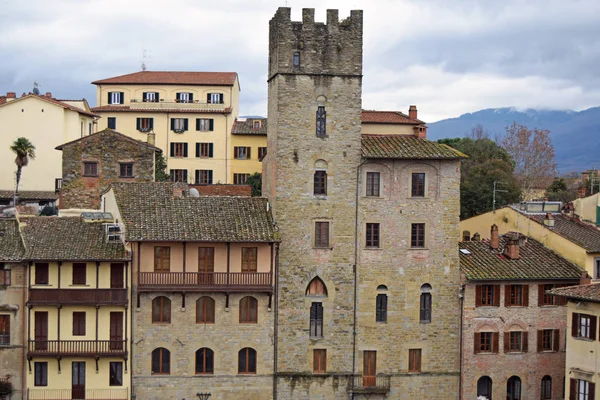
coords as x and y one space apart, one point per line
321 121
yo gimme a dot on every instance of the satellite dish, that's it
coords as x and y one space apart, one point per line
194 192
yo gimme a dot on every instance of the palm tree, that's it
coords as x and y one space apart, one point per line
24 150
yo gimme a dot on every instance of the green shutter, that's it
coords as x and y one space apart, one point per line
109 97
197 124
172 124
185 124
138 122
122 98
197 149
211 125
185 149
172 149
191 97
210 150
151 123
210 175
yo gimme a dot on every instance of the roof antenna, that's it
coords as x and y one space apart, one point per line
144 56
35 87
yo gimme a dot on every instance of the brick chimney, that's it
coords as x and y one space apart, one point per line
421 131
512 249
494 239
11 95
49 95
412 112
585 279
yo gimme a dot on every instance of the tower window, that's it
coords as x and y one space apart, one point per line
321 121
296 59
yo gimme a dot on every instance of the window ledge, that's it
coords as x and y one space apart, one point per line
126 177
418 248
79 285
320 196
425 322
316 337
374 197
516 352
486 353
583 339
323 248
90 176
373 248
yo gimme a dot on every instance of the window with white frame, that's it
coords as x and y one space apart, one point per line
115 97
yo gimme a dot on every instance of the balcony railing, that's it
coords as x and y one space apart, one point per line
371 384
67 394
173 103
206 281
90 348
113 297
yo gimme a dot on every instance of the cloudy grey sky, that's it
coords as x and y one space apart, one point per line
447 56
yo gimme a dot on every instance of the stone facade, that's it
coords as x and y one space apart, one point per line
108 149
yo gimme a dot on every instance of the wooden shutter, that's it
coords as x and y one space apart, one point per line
221 98
185 124
574 324
197 124
592 395
151 123
478 289
197 150
496 289
210 151
210 176
191 97
540 338
172 124
540 294
506 341
172 148
109 97
138 123
185 149
144 96
524 342
79 273
157 96
249 153
476 343
122 98
208 97
178 96
525 295
507 290
211 124
593 327
572 389
495 338
556 340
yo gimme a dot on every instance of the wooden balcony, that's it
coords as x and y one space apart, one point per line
67 394
80 348
206 281
371 384
101 297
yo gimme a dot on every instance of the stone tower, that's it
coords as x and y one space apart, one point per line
309 176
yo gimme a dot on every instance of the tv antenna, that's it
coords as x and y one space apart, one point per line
494 193
145 55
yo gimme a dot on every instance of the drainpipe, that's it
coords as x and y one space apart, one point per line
25 346
460 341
276 322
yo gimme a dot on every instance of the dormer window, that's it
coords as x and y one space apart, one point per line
296 59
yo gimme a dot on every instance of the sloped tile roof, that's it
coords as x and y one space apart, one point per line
68 239
53 101
589 292
173 78
247 127
11 246
109 132
388 117
574 230
113 108
151 212
25 195
405 146
535 262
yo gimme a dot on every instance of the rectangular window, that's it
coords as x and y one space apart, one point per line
321 122
240 179
418 185
89 128
417 235
581 390
40 373
214 98
90 168
179 149
515 342
316 320
516 295
204 177
205 124
548 340
41 273
373 184
487 295
126 170
4 275
597 268
241 152
319 361
179 125
545 299
249 259
116 374
116 98
583 326
204 150
414 360
79 273
162 259
179 175
112 123
262 152
372 235
184 97
486 342
144 124
320 184
321 234
381 308
78 323
4 329
150 97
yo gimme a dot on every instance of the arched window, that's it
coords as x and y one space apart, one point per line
484 387
425 314
513 388
161 310
316 287
205 359
296 59
161 361
248 310
381 304
205 310
316 320
546 387
466 236
247 361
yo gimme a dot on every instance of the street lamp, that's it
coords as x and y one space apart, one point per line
203 396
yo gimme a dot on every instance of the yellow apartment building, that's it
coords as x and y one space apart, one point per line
249 147
47 123
588 208
190 113
78 326
583 348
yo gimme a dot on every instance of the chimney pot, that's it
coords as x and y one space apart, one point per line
412 112
494 238
512 249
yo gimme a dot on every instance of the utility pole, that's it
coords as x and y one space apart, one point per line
494 194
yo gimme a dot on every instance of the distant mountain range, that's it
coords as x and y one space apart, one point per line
575 134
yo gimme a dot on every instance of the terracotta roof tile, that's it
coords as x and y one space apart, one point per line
388 117
574 230
11 246
25 195
247 127
535 262
54 101
151 212
110 132
405 146
68 239
161 110
173 78
589 292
